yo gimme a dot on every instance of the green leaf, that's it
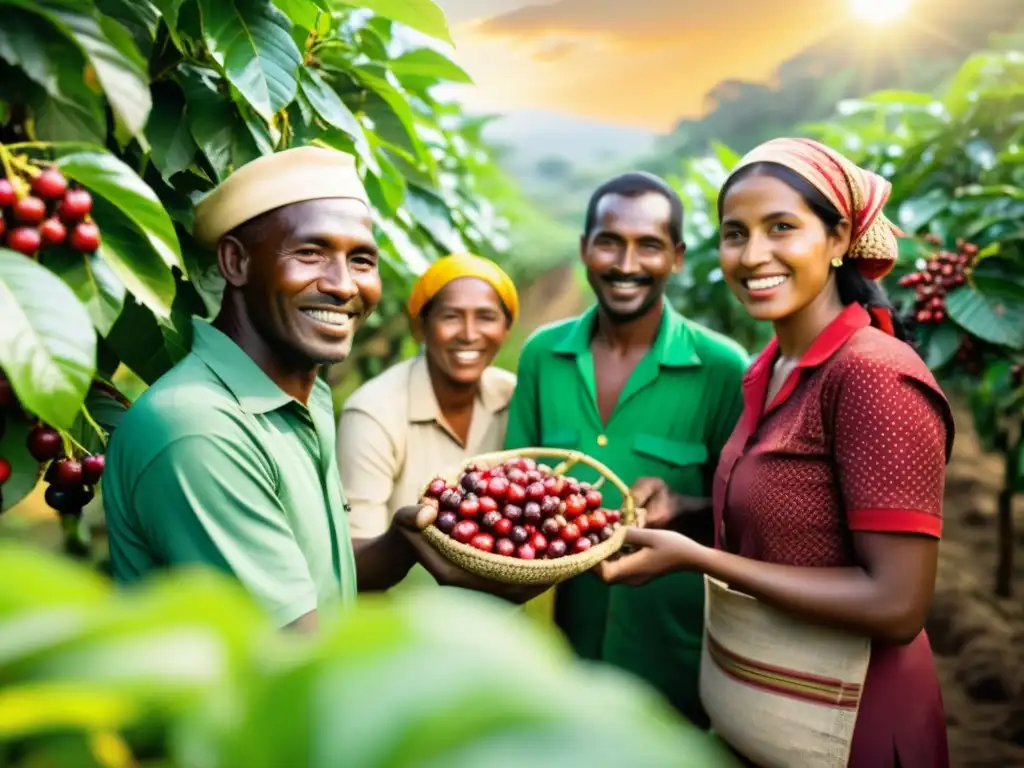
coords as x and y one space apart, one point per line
993 191
422 15
136 338
47 342
93 282
28 48
393 118
984 313
386 189
215 123
169 10
941 345
24 469
172 147
65 109
110 178
425 62
109 48
326 102
251 40
131 257
303 13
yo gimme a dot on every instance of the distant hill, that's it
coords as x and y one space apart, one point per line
539 147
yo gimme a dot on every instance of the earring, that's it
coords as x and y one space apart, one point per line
837 262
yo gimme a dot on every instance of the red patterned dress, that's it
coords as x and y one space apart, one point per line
856 440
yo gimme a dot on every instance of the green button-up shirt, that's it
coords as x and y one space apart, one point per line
672 419
216 465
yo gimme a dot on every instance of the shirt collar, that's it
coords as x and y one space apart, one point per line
423 405
673 346
251 387
829 341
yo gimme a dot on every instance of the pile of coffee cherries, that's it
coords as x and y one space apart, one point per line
521 509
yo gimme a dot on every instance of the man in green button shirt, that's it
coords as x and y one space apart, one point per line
655 397
228 459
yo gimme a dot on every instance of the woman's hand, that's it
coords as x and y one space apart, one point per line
657 553
410 522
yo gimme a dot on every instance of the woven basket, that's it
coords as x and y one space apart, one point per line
510 570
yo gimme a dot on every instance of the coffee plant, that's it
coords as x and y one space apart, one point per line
115 117
956 162
187 673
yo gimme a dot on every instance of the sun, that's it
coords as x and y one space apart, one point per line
879 11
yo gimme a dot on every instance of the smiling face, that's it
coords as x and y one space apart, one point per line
629 254
308 275
775 250
464 326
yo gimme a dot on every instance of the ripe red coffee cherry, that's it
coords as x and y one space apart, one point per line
503 527
30 210
436 488
44 443
77 203
92 468
526 552
557 548
446 521
24 240
85 237
482 541
8 196
50 184
505 547
5 470
52 232
464 531
68 473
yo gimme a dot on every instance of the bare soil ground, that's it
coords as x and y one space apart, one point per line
978 638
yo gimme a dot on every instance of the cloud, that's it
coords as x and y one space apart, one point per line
657 19
555 50
644 63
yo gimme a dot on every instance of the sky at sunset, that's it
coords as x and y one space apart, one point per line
640 63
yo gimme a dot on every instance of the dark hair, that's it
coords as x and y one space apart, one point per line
635 184
854 287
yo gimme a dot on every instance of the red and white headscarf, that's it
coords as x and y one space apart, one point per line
857 193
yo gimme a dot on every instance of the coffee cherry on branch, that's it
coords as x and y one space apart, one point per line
85 237
44 443
8 195
26 240
50 184
5 470
29 210
52 232
75 206
944 272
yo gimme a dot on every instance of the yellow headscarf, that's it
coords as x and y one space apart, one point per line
458 265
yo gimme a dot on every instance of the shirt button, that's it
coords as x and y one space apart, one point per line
602 440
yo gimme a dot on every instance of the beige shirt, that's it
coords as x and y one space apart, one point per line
392 439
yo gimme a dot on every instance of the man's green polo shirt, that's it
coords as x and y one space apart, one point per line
672 419
216 465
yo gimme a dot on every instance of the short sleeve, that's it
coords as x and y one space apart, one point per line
210 499
890 450
366 461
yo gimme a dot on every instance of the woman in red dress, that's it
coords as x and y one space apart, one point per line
828 497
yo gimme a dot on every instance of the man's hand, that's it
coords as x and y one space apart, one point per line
411 521
663 507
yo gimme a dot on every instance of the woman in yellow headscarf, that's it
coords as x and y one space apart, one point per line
429 413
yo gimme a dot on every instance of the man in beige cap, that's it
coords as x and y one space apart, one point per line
228 459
